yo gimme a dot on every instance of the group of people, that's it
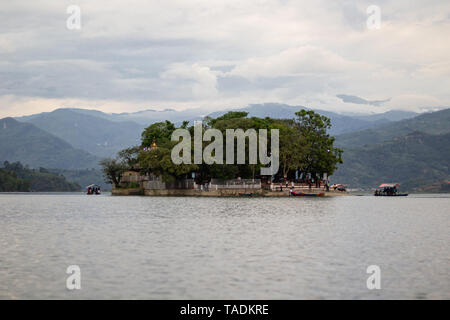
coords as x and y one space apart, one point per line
287 185
386 191
93 190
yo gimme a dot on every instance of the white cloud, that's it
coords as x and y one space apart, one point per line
414 102
305 60
223 53
201 79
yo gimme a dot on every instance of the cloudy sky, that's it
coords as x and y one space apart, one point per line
133 55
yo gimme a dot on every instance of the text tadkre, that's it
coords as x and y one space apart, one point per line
228 309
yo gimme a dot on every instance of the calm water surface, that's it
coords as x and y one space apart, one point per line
217 248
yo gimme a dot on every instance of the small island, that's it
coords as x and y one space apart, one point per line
307 159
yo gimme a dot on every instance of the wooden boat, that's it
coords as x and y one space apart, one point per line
93 189
389 190
304 194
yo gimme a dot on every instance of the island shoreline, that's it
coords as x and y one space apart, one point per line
238 192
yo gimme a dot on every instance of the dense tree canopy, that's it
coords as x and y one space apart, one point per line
304 145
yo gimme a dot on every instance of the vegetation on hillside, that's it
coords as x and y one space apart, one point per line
14 177
32 146
416 161
432 123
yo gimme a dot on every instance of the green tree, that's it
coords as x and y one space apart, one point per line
293 146
113 170
320 156
158 160
227 116
160 132
129 156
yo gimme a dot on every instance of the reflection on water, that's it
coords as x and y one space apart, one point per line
223 248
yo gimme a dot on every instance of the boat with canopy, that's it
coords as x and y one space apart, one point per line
389 190
93 189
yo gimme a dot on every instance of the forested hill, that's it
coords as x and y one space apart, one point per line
417 161
35 147
432 123
14 177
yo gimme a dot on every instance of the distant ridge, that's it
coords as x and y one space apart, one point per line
35 147
342 123
416 160
89 131
146 117
104 134
432 123
393 115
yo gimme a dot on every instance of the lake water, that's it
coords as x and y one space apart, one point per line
224 248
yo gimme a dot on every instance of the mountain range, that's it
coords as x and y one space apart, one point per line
103 134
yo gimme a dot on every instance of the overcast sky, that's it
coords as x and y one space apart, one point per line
133 55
